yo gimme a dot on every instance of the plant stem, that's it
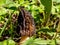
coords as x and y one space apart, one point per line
5 24
3 28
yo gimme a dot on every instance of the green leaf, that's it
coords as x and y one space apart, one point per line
7 42
47 4
58 1
1 43
41 42
2 11
4 42
21 1
11 42
29 41
2 2
52 42
53 10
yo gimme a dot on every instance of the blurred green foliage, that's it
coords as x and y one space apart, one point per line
46 14
7 42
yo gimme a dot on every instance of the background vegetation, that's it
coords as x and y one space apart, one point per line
46 14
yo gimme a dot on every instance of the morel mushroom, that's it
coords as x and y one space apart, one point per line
26 25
